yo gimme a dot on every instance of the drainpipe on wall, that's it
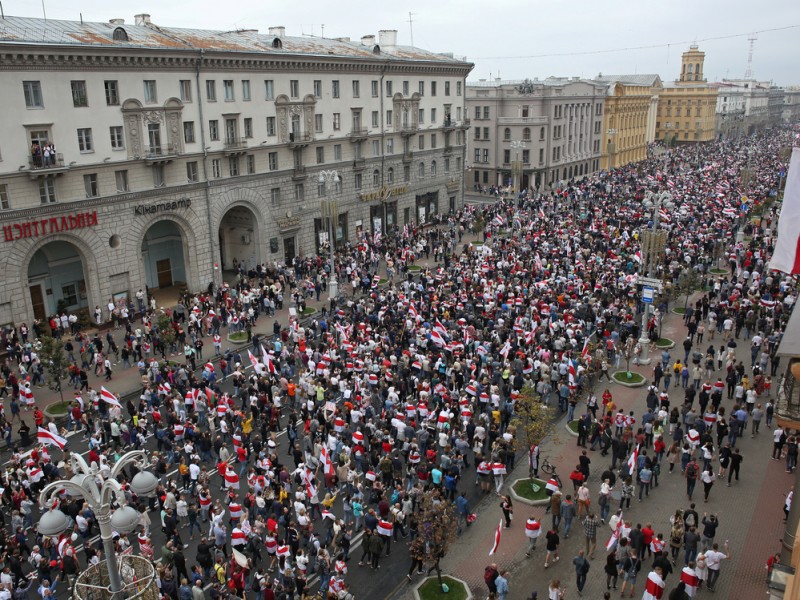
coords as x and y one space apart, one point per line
216 273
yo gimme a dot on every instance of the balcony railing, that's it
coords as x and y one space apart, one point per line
39 162
235 143
299 138
156 152
358 132
522 120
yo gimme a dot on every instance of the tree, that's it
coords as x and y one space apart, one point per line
165 330
532 416
437 524
55 361
687 282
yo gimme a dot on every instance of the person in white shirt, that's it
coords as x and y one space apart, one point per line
713 560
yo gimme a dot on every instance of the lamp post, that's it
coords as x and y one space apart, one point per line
652 243
330 177
516 167
84 484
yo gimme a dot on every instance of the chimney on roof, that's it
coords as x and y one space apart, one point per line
387 38
368 40
117 22
278 31
142 19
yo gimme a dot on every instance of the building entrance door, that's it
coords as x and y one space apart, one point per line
288 250
164 273
37 300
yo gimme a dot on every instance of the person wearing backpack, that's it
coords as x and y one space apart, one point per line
629 570
581 570
692 472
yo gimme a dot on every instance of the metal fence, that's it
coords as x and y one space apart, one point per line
138 581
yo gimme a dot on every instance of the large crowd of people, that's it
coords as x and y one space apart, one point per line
408 387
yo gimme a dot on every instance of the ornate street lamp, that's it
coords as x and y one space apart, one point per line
330 178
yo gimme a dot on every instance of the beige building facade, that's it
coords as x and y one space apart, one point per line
687 106
542 132
179 153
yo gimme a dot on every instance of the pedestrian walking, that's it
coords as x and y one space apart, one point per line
714 559
582 567
508 509
629 569
590 531
532 531
692 473
553 542
708 478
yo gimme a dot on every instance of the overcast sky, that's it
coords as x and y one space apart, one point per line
508 37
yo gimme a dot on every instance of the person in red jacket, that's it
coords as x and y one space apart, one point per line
577 477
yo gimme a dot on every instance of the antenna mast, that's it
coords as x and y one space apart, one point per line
411 27
748 73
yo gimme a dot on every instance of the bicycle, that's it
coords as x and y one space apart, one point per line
550 470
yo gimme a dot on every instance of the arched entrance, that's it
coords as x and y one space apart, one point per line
163 256
239 239
57 279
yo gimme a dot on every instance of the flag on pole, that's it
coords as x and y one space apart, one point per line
612 542
256 365
786 257
496 538
45 436
268 360
109 397
498 221
633 459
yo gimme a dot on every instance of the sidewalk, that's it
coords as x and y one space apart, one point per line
755 500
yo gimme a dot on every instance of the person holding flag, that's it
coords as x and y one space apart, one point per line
654 586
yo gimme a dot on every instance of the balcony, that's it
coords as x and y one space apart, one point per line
299 173
38 168
522 120
408 157
449 124
159 155
464 124
298 140
448 149
358 164
409 129
235 146
358 133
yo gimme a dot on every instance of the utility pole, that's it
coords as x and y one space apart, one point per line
411 27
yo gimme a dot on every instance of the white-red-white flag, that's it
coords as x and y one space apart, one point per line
108 397
786 256
612 542
496 538
633 459
653 587
268 360
45 436
691 580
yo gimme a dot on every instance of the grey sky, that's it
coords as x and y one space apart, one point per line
482 30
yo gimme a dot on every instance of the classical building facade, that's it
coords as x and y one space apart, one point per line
138 155
629 122
687 106
746 105
546 131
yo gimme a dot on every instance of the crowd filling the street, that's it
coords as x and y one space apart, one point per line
389 421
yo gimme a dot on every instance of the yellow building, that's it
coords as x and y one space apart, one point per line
687 107
629 122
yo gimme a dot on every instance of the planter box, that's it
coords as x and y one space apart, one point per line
523 499
622 380
236 341
450 581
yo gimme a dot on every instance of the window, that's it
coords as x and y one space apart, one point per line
192 174
159 180
275 196
294 88
541 156
121 180
389 118
506 156
433 140
477 155
433 88
374 88
320 151
318 88
486 155
79 98
185 90
376 147
421 170
526 134
213 130
117 139
375 118
150 91
233 166
112 92
90 185
69 294
507 134
388 89
433 168
486 133
33 94
47 190
269 89
251 164
376 178
318 123
477 133
433 115
227 90
458 88
421 88
270 126
357 150
446 88
358 181
405 88
406 173
477 112
85 140
216 172
390 175
337 152
248 127
337 121
356 88
299 192
446 165
246 90
421 142
421 116
389 146
211 90
526 156
273 161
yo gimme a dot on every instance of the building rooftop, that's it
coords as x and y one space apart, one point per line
550 82
649 80
146 34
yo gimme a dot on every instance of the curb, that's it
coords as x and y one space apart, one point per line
569 430
519 498
415 590
668 346
625 383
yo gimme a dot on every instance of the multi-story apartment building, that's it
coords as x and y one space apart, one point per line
139 155
746 105
687 106
547 131
791 104
629 123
